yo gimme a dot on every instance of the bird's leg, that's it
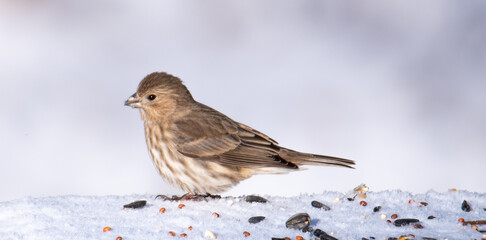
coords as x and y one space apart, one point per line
189 197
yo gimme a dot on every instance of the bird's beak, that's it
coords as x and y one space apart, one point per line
133 101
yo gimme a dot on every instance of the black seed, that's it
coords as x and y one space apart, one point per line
404 221
298 221
253 198
350 199
317 204
431 217
325 236
465 206
256 219
377 209
364 239
136 204
427 238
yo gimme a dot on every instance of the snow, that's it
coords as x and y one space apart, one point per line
84 217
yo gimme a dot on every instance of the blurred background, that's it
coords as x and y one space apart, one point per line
397 86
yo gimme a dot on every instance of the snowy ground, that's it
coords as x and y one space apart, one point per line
84 217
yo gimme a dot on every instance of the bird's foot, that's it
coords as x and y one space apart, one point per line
189 197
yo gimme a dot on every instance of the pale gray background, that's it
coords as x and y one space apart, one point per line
398 86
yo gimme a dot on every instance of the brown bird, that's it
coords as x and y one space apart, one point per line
202 150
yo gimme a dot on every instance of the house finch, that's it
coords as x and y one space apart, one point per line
202 150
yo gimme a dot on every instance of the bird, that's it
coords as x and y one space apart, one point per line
201 150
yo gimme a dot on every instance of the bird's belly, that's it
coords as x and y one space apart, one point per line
193 175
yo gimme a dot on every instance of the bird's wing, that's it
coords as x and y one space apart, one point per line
207 134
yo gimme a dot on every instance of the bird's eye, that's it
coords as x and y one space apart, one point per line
151 97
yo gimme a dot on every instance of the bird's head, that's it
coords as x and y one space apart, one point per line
159 95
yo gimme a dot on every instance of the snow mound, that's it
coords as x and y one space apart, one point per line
85 217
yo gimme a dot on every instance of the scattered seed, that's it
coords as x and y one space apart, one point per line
256 219
474 227
411 201
318 204
106 229
363 203
350 199
336 200
181 206
247 234
323 235
383 216
477 222
136 204
362 195
453 190
215 214
190 228
298 221
431 217
209 234
404 221
172 233
253 198
162 210
388 221
377 209
423 204
119 238
394 216
465 206
183 235
417 225
461 220
299 238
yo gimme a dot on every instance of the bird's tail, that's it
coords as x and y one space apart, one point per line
300 158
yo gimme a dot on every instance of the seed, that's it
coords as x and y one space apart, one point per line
119 238
190 228
183 235
431 217
172 233
256 219
423 203
377 209
253 198
383 216
106 229
215 214
298 221
411 201
181 206
405 221
394 216
461 220
474 227
136 204
209 234
388 221
318 204
363 203
162 210
336 200
299 238
247 234
465 206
